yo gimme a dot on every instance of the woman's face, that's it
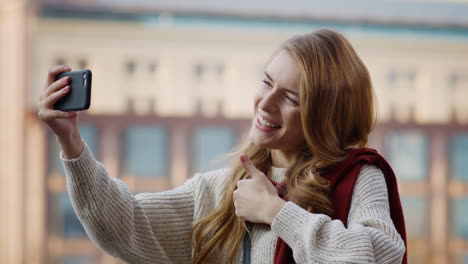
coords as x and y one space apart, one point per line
277 102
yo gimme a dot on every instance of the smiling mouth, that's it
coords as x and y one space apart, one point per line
266 123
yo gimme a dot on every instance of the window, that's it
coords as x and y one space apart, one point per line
416 216
392 77
130 67
411 76
459 157
146 151
88 133
401 78
69 224
82 64
152 68
453 79
220 69
407 152
54 163
78 260
458 79
60 61
459 215
198 71
209 143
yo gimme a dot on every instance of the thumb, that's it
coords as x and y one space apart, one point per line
250 167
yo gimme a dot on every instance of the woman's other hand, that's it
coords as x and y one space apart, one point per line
256 199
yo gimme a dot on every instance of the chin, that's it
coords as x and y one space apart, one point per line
258 140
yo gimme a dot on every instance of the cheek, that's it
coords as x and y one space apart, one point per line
260 93
295 123
257 99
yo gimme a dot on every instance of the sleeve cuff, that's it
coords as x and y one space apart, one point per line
62 157
84 164
290 221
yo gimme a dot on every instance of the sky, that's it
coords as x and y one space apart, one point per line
448 12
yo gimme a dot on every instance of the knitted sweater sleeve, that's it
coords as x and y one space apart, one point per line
142 228
370 236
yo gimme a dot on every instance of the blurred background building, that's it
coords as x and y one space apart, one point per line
173 90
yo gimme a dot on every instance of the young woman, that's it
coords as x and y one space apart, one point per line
303 188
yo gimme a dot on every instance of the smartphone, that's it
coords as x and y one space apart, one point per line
79 97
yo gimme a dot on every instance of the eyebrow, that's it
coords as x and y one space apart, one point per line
289 90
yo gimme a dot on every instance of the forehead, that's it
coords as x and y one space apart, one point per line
284 70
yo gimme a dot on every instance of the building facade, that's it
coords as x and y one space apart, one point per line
173 91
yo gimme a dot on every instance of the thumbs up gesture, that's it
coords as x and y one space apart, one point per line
256 199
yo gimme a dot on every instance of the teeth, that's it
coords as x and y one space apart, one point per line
266 123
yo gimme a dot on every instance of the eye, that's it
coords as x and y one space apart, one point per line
292 100
266 82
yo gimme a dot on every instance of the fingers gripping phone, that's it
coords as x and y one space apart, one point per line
79 97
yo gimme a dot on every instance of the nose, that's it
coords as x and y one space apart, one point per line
269 101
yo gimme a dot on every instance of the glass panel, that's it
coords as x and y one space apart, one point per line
416 259
208 145
459 216
62 220
78 260
459 157
407 153
147 151
54 164
88 133
416 217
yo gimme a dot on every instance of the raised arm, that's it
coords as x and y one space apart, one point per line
370 236
143 228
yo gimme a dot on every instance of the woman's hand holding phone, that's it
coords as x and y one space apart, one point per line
63 124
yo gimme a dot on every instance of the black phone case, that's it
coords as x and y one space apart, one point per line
79 97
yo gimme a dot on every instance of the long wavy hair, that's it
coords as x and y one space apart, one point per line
337 113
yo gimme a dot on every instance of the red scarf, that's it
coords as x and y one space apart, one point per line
342 178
